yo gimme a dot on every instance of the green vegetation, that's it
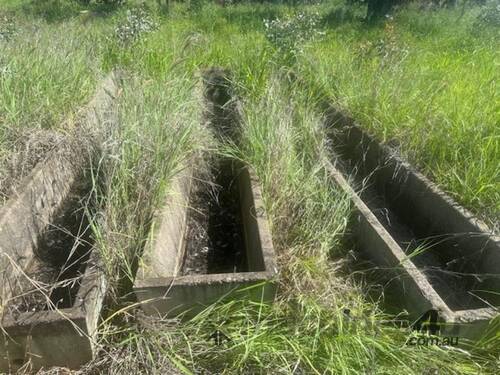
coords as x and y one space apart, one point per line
157 132
426 81
44 77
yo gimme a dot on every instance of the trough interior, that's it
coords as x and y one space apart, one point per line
214 233
58 264
450 261
166 292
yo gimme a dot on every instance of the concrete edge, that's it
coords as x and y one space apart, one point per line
168 230
160 282
390 253
259 213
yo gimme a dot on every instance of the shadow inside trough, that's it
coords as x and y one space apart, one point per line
457 282
53 278
71 267
214 238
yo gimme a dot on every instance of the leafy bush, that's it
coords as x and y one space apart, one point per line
290 33
389 50
489 15
137 23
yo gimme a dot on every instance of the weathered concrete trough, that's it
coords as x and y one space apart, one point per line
163 285
59 337
212 239
45 240
433 253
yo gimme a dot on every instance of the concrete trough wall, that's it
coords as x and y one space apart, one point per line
396 211
66 336
63 337
163 291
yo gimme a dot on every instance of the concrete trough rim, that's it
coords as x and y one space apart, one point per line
203 279
38 318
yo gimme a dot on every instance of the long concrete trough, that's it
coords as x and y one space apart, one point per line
52 283
160 285
434 255
230 220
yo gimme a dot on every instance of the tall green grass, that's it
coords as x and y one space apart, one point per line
428 83
155 134
46 74
423 95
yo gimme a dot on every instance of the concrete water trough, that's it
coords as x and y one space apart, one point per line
52 284
211 239
433 254
173 278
